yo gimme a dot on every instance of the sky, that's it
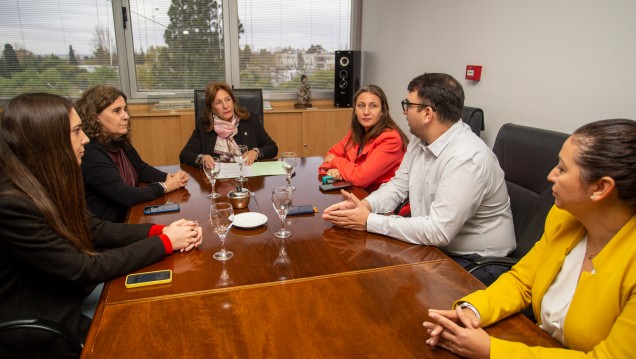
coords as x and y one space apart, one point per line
50 26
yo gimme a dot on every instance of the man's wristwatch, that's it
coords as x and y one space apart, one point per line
258 152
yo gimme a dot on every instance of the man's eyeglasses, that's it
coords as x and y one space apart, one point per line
405 105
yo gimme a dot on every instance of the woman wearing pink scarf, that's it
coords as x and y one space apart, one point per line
225 126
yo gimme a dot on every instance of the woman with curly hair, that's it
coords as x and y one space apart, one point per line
112 168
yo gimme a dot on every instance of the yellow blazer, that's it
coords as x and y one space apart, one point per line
601 320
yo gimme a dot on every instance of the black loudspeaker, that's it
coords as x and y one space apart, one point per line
347 73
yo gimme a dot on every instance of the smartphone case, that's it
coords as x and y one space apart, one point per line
150 282
162 208
305 209
335 186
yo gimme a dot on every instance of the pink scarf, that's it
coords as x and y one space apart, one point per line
225 145
225 129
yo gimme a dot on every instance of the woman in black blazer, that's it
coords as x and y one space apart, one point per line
52 250
111 167
223 126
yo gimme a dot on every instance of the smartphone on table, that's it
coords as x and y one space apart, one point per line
162 208
335 186
148 278
304 209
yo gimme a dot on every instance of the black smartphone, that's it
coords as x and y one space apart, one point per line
305 209
148 278
335 186
162 208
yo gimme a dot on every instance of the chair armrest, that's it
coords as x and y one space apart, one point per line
403 209
487 261
45 325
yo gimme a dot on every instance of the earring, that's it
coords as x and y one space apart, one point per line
592 197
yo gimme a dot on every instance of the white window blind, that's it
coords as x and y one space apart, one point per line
57 46
68 46
281 40
178 44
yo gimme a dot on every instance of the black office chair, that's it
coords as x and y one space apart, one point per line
250 99
474 117
42 345
526 155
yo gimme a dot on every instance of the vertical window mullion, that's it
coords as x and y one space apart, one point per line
123 37
231 41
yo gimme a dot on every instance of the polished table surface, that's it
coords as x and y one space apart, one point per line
371 313
323 292
314 248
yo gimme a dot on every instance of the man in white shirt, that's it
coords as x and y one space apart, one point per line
456 188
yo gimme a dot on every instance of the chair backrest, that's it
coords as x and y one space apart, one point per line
474 117
527 155
35 337
250 99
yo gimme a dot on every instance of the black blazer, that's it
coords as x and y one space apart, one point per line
107 195
251 133
43 276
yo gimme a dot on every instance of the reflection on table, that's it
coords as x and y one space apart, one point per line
322 292
314 248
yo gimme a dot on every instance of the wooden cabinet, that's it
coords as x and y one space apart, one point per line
159 136
307 132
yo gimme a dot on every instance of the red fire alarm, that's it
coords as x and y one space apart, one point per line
473 72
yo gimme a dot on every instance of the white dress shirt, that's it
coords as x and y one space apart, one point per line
458 196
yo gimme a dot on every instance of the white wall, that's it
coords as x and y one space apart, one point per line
552 64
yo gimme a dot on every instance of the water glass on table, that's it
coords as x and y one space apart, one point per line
221 218
289 160
282 201
212 172
239 158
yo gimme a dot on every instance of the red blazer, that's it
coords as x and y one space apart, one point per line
377 163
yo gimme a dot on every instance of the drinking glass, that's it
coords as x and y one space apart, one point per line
212 172
289 161
282 200
238 158
221 217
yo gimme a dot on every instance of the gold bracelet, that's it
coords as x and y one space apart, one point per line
165 188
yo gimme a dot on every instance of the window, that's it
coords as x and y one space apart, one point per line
282 40
56 46
177 44
170 46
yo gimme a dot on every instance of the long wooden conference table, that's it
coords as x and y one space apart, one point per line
324 292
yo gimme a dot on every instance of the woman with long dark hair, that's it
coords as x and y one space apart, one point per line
51 247
373 149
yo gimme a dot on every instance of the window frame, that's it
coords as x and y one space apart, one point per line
125 52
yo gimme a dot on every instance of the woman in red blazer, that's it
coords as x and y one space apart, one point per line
373 149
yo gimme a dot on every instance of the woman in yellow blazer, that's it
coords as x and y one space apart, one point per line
581 276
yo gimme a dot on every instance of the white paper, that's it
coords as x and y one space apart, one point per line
231 170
